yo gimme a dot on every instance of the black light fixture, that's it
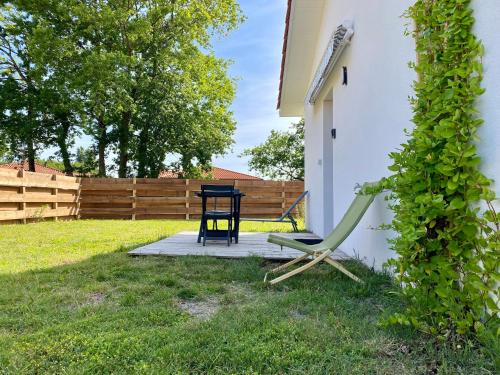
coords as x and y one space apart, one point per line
344 77
334 133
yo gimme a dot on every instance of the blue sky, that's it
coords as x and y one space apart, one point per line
255 48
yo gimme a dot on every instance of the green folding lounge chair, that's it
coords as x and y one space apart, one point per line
322 251
285 218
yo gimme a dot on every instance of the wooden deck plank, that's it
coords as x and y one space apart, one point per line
250 244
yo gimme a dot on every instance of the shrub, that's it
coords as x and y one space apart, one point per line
448 231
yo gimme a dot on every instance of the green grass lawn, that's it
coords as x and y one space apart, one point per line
72 301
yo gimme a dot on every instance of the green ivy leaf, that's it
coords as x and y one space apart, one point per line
470 231
457 203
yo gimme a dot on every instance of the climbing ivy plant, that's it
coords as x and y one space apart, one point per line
448 230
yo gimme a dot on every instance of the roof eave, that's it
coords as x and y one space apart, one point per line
302 26
283 51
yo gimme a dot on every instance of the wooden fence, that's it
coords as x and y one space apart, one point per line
142 198
26 196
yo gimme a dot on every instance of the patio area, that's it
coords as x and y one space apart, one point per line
250 244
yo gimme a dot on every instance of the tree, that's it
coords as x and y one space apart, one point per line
5 155
156 78
138 76
51 163
20 114
281 156
185 113
86 163
38 105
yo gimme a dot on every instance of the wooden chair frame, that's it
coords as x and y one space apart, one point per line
322 251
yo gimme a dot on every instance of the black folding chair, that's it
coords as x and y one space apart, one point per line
225 192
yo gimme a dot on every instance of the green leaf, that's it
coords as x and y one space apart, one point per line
452 185
457 203
447 132
470 231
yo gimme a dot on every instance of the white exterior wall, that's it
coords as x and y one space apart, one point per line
487 13
372 111
369 115
314 170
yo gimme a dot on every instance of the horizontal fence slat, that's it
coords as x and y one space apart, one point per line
14 181
122 186
35 213
40 198
105 199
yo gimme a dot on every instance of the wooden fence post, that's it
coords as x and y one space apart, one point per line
78 197
134 196
22 190
283 197
187 195
55 205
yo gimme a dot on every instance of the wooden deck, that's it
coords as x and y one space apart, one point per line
250 244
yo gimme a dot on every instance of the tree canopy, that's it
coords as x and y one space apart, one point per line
139 77
281 156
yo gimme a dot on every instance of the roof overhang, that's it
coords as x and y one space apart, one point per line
302 26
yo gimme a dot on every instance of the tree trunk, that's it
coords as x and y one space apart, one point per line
31 154
142 152
102 142
62 138
123 143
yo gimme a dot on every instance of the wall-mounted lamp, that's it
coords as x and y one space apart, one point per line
344 77
334 133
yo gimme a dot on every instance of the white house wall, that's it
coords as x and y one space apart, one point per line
487 13
372 111
369 115
314 169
